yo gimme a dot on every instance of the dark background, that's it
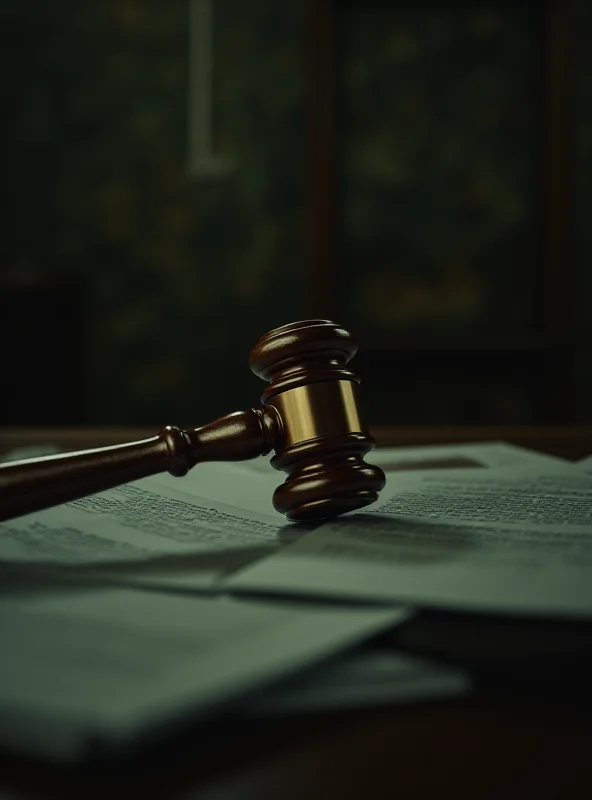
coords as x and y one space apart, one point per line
417 170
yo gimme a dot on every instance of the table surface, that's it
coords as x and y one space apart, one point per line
478 747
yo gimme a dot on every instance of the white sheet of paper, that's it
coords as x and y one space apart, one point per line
153 533
507 540
544 493
111 665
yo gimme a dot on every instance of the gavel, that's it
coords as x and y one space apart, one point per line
309 416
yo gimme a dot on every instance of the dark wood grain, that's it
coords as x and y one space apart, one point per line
483 747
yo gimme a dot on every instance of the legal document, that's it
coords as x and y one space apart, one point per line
100 671
155 531
102 668
189 534
507 540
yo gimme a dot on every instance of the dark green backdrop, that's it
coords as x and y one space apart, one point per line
176 276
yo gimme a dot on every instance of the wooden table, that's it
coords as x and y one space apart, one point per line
480 747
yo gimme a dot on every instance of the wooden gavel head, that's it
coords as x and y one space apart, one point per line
310 417
312 407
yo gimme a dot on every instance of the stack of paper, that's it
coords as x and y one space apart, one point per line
511 539
102 670
134 611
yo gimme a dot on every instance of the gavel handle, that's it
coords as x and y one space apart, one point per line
34 484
